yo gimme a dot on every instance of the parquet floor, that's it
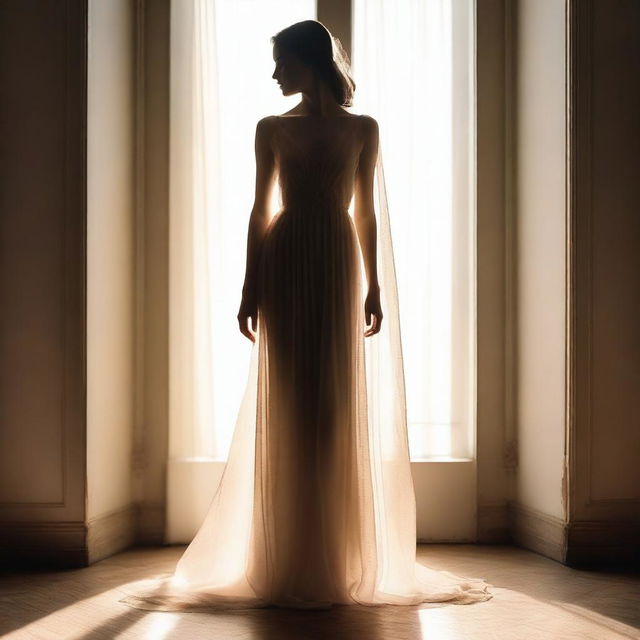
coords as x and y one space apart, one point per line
534 597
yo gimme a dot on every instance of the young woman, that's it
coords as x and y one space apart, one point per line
316 504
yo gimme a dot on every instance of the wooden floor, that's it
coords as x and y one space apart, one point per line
534 597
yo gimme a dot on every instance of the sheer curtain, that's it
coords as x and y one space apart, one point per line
221 85
413 67
412 78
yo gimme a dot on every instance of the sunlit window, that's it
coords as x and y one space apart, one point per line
412 63
246 92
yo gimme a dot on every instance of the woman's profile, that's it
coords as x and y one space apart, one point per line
316 504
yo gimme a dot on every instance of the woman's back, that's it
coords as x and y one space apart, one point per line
316 158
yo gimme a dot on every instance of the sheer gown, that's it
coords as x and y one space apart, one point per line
316 503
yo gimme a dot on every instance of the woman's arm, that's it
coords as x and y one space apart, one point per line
365 218
258 222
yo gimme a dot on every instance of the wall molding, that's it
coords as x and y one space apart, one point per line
603 542
510 445
588 543
111 532
493 523
138 435
151 529
537 531
579 266
50 544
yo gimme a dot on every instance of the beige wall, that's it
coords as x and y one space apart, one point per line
494 420
152 427
604 487
42 260
578 279
615 258
110 256
540 249
72 258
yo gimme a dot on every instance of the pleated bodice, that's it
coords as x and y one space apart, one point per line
316 171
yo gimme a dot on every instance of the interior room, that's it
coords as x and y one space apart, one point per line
503 379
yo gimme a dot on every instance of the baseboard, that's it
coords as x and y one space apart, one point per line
537 531
150 524
493 524
57 545
111 532
74 544
603 544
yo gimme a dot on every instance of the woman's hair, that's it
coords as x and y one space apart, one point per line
312 43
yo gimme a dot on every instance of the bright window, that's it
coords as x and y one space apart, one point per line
413 67
412 62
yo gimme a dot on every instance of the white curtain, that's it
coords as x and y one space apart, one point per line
221 85
416 83
413 66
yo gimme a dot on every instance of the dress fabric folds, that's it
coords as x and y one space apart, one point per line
316 503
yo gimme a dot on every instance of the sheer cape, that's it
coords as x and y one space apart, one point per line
239 556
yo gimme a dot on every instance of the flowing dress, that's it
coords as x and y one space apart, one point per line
316 504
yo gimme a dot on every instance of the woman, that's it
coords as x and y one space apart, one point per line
316 504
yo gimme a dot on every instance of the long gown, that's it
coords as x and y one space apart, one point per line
316 503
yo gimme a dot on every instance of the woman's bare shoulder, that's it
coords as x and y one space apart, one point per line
369 132
266 122
369 122
265 127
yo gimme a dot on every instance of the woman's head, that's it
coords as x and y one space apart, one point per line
305 52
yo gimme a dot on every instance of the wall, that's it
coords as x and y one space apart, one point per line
604 426
493 412
577 139
540 247
42 276
84 302
539 147
152 425
110 272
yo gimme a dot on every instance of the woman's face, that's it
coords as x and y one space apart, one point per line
289 73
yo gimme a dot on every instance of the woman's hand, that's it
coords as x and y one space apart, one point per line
372 308
248 309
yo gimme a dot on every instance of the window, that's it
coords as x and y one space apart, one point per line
412 62
413 67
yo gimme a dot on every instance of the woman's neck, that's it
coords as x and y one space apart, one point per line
319 101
